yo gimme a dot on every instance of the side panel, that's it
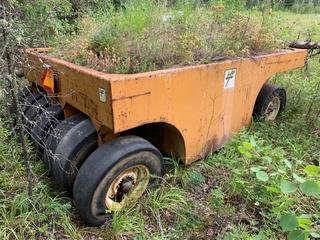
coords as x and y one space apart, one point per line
199 101
77 87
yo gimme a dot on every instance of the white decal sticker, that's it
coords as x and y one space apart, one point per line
230 78
102 94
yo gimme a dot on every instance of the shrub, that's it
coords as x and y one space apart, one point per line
145 36
41 21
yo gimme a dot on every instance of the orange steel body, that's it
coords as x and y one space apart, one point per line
190 111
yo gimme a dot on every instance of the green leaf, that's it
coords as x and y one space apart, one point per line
247 145
262 176
267 159
310 188
304 222
315 235
305 216
298 179
296 235
253 141
196 178
244 151
288 222
273 189
282 204
288 163
312 170
255 169
287 187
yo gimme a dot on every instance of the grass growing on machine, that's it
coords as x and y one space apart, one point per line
150 35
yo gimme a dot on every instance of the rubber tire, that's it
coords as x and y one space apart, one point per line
29 100
265 95
73 149
21 96
103 166
44 123
33 111
23 93
55 136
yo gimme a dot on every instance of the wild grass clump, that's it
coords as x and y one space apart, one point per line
149 35
45 215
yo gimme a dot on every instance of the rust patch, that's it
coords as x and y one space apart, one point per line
213 145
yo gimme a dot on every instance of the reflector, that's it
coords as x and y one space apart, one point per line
47 80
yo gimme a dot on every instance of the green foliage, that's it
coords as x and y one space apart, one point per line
230 5
172 199
281 173
296 235
45 215
288 222
287 187
127 222
262 176
41 21
217 198
310 188
241 233
288 3
195 178
149 35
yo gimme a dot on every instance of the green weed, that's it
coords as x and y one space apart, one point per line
217 198
128 222
149 35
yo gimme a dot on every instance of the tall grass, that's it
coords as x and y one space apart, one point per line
150 35
45 216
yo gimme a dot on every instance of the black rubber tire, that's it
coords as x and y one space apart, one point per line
44 123
55 136
265 95
103 166
23 93
29 100
73 149
33 111
21 96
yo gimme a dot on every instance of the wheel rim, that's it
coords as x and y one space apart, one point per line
127 187
273 109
